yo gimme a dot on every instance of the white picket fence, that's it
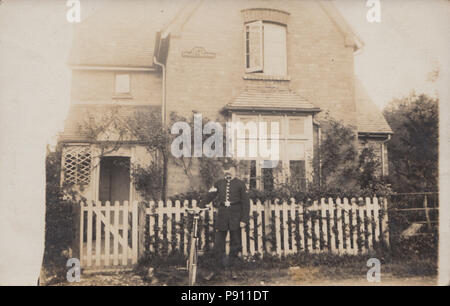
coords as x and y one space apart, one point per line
116 235
341 227
108 234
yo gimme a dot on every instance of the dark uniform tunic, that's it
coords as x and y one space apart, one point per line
233 192
233 204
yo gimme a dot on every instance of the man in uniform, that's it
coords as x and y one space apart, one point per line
230 195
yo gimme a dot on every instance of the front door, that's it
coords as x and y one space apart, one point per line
114 179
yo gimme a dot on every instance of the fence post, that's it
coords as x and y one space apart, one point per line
347 233
107 227
169 221
285 228
277 227
89 234
293 224
354 234
268 225
369 209
251 230
141 229
98 232
385 222
333 227
77 225
134 232
323 216
362 231
259 228
339 223
178 226
376 215
125 233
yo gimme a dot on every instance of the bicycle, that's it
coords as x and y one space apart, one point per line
193 252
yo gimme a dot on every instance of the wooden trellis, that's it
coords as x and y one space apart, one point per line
77 162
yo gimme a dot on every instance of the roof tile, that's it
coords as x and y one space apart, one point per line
80 114
110 38
370 119
270 97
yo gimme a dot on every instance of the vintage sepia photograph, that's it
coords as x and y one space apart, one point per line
213 143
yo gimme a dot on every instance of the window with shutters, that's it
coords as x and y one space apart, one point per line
265 48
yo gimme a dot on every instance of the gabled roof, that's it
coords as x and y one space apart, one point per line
270 98
80 116
111 38
351 38
370 119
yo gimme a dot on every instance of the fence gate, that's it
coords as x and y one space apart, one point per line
108 234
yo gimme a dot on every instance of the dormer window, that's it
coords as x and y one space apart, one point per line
265 48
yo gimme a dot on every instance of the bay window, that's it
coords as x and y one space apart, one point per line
288 163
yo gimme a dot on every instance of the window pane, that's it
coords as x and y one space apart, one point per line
253 174
298 177
254 46
270 122
272 173
248 127
246 149
122 83
274 49
296 126
295 150
267 178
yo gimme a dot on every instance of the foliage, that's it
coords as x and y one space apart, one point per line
341 171
338 153
148 128
147 180
110 131
59 216
210 171
344 171
413 149
189 196
209 167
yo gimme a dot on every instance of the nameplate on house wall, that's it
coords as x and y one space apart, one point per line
198 52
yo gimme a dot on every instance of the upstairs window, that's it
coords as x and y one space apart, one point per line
265 48
122 84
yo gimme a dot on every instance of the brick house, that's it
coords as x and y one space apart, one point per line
254 60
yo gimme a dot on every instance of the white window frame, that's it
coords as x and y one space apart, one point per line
127 87
260 69
285 138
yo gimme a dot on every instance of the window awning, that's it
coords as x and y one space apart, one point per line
270 98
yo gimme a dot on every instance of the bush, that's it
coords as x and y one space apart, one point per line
59 218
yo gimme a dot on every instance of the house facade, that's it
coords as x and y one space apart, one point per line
278 62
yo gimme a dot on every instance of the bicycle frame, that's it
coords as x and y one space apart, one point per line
192 260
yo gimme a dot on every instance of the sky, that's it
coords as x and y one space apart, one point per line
411 40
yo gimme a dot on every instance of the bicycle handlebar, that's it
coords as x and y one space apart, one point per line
197 209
